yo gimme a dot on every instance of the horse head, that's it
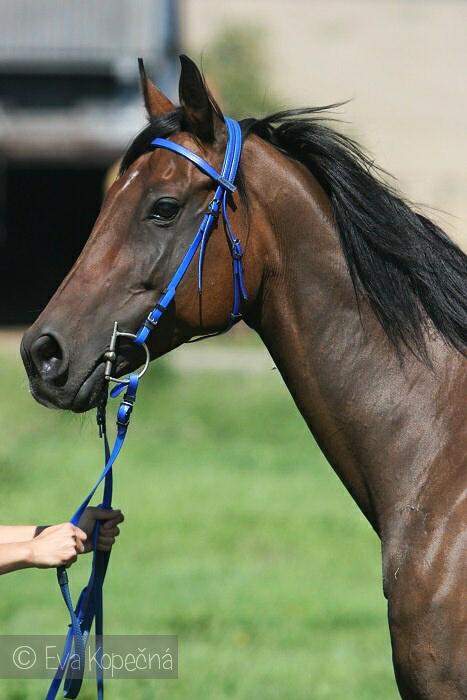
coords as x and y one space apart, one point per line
147 221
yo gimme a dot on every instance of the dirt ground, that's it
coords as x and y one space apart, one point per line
403 64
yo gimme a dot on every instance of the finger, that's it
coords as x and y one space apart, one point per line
106 514
118 517
114 521
105 542
110 531
104 547
79 534
79 546
110 524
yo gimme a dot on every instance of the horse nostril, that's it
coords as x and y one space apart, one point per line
48 357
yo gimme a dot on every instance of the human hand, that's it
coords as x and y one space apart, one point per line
108 531
58 545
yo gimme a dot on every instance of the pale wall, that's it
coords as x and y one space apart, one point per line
403 63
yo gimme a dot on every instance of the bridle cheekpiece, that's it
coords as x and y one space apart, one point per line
90 603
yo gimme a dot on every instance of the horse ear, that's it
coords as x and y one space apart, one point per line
155 101
201 113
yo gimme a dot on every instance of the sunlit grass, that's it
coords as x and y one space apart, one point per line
238 538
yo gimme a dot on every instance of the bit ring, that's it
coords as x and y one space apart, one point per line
111 356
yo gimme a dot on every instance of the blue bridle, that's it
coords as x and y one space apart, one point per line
89 607
225 183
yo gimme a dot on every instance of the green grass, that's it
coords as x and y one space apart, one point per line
238 538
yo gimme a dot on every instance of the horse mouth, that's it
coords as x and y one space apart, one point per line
81 399
90 391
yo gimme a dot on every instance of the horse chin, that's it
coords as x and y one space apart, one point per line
90 391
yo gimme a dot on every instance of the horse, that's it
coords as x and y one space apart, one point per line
361 301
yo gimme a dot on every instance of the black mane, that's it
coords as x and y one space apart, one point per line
409 269
411 272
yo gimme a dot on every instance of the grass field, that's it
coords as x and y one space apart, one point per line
238 538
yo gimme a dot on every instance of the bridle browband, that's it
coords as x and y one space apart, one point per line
225 184
89 607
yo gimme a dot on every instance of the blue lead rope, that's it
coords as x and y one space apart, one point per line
89 607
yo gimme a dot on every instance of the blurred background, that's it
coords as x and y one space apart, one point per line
238 536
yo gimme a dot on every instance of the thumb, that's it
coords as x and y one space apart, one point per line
80 534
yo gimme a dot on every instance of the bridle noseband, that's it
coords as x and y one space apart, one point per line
89 606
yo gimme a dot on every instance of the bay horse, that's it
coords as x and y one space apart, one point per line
361 301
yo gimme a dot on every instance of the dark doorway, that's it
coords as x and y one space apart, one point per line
46 215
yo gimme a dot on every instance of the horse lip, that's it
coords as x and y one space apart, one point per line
88 393
90 389
40 398
86 396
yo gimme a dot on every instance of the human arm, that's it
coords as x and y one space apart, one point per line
19 533
58 545
25 546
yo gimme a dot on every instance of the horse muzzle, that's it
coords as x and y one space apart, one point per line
46 358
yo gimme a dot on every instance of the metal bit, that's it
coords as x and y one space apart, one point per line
110 356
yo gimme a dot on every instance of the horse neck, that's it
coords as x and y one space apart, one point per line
367 410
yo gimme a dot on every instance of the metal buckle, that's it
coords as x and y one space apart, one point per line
226 183
214 208
236 250
124 413
110 356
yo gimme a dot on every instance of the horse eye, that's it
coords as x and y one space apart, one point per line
165 209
